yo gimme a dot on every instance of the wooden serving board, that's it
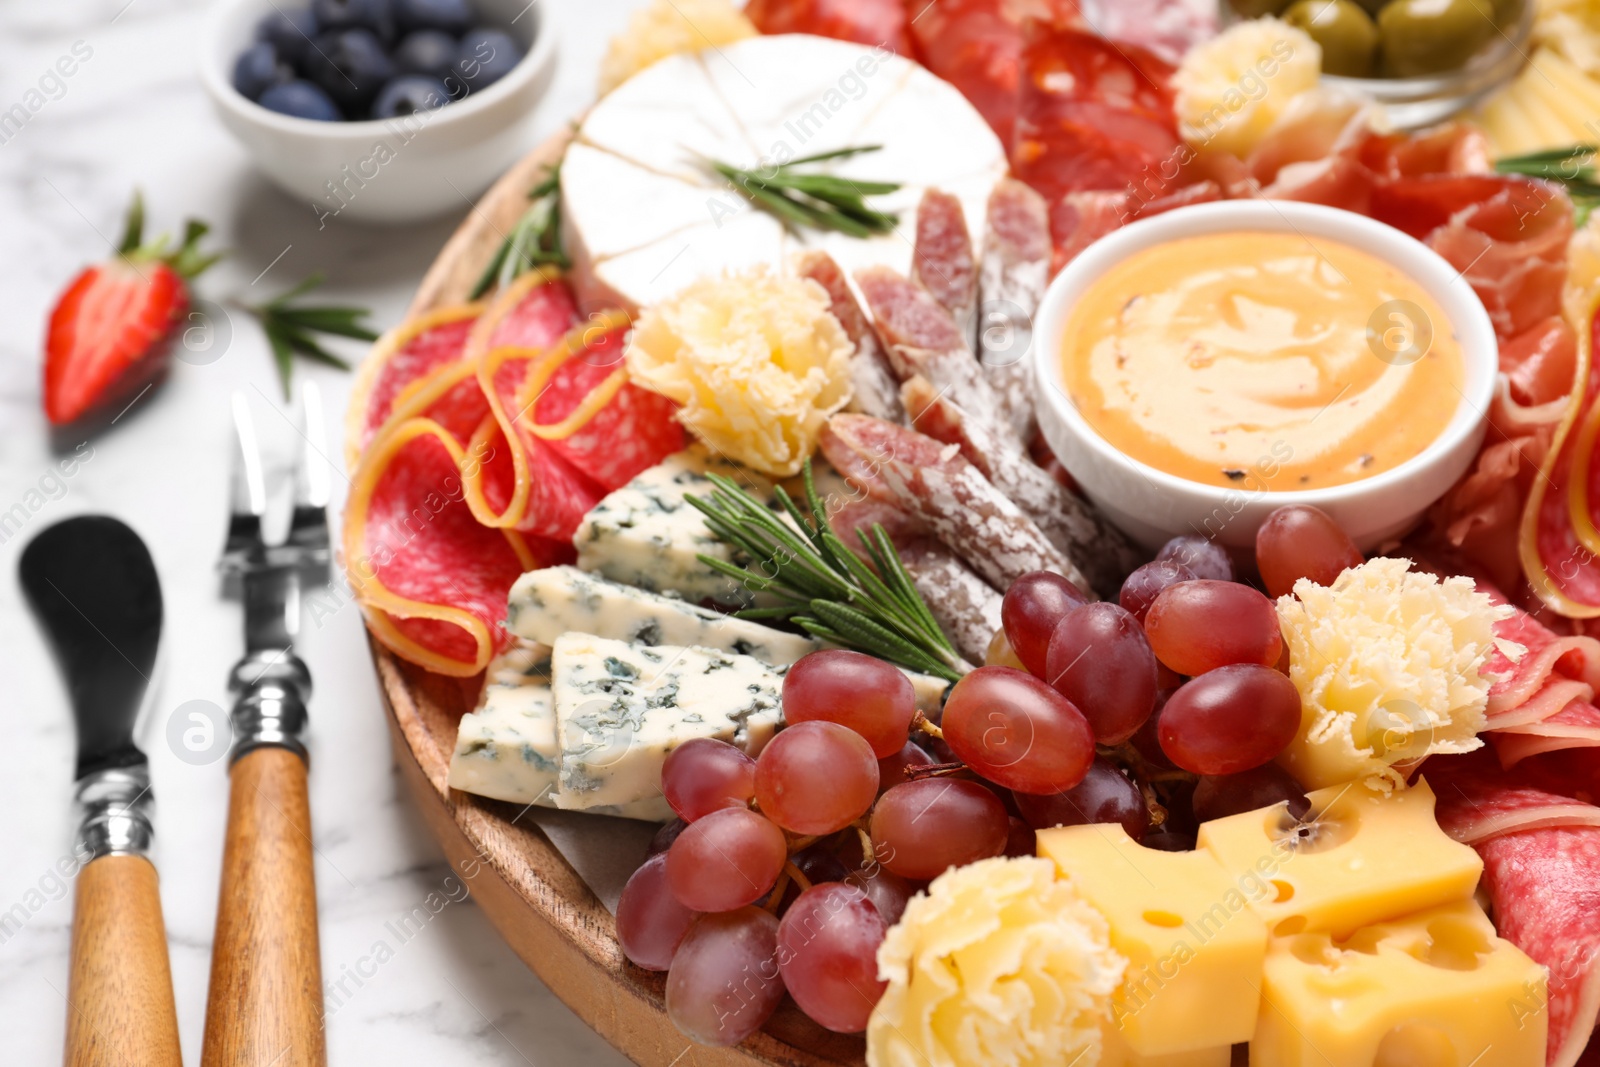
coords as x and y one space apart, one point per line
531 894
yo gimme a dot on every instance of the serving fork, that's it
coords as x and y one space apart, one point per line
265 1003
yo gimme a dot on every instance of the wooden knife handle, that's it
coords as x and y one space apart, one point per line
119 995
265 1005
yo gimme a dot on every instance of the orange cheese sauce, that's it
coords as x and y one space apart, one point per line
1263 361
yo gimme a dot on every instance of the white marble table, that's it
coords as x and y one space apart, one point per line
444 990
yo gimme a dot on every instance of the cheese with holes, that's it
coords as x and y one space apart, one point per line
547 603
1194 946
642 215
1359 856
1433 989
621 708
648 536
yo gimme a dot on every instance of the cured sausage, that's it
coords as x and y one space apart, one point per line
875 391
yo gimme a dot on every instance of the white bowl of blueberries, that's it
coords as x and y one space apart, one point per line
380 110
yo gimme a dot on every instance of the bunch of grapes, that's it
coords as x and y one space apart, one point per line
783 873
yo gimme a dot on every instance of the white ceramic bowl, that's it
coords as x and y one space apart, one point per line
1153 506
387 171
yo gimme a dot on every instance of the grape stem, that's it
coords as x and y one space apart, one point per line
798 876
869 855
775 894
927 726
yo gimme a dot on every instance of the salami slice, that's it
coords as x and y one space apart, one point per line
412 351
950 496
1016 269
880 22
1100 551
875 391
944 263
431 580
975 45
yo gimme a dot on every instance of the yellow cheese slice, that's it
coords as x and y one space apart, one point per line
1193 945
1114 1052
1359 857
1436 989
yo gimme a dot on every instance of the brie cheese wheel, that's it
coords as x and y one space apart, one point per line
643 215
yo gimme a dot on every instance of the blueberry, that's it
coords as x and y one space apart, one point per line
350 66
290 32
485 56
258 69
426 52
374 16
409 94
451 16
302 100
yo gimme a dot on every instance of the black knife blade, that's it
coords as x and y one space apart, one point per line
92 584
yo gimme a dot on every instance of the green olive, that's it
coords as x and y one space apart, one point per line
1254 9
1507 12
1428 36
1346 33
1372 7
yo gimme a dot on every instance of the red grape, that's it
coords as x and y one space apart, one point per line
1141 587
1300 541
827 953
1230 719
1219 796
726 860
819 863
922 828
704 774
1204 557
1099 659
1029 613
1015 730
1167 840
892 771
888 892
724 982
1199 626
665 836
650 921
861 692
1104 795
1021 841
1146 741
816 777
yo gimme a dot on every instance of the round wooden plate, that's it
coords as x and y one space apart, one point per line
530 893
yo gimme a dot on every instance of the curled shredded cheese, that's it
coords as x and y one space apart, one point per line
1388 664
1232 88
667 27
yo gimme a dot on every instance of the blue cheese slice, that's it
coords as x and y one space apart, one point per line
506 749
621 708
547 603
648 536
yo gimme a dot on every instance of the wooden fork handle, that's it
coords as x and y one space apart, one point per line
265 1005
119 994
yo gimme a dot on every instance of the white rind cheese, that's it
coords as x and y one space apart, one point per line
647 536
547 603
642 216
621 708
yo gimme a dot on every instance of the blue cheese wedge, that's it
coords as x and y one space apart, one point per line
507 749
555 600
648 536
621 708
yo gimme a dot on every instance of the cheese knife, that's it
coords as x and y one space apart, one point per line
94 589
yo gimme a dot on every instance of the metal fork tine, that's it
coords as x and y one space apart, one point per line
308 526
247 493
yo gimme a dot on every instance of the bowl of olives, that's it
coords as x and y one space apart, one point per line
1423 60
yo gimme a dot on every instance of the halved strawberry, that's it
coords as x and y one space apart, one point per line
115 316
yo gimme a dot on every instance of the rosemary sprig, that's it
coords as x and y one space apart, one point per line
1572 167
290 329
824 587
817 201
533 241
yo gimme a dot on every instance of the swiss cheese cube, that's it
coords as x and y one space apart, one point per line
1435 989
1114 1052
1193 945
1358 857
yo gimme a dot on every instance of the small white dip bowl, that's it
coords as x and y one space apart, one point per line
1152 506
396 170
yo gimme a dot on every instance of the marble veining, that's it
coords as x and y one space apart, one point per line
417 975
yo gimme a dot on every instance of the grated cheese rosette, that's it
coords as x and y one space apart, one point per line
1388 662
756 360
1234 87
997 963
666 27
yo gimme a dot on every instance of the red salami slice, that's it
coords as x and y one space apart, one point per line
947 494
881 22
975 45
943 260
533 313
398 360
1576 725
875 391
